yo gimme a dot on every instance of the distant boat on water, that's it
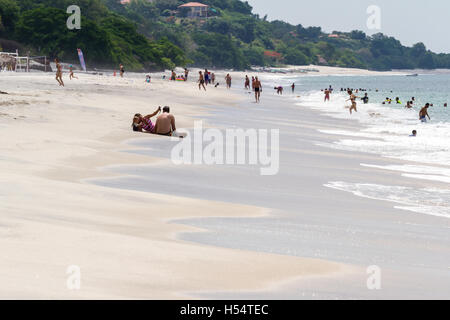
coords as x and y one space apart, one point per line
412 75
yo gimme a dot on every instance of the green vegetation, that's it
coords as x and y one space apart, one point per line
106 38
147 35
233 37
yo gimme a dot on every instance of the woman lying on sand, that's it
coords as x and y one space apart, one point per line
144 124
164 126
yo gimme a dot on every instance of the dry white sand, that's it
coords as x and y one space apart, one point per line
123 241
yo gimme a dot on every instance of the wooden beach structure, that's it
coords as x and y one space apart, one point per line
12 61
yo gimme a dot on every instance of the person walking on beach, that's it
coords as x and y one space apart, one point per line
186 74
59 73
206 77
173 76
201 81
327 95
293 87
423 114
258 90
213 78
71 75
353 100
122 70
228 81
247 83
253 83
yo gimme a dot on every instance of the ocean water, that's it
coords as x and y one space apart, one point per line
385 130
381 130
387 127
323 203
431 88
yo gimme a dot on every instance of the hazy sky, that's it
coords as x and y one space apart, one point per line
410 21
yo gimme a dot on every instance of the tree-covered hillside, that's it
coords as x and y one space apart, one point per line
233 37
106 38
146 34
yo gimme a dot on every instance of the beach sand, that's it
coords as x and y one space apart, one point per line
123 241
71 195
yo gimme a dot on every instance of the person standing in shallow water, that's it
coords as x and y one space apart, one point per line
365 99
327 95
201 81
206 77
423 114
353 100
122 70
228 81
258 90
293 87
247 83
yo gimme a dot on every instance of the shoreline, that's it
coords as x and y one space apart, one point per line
389 211
142 225
57 179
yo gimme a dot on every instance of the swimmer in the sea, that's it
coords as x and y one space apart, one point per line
423 114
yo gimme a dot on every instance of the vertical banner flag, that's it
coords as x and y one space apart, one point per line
80 55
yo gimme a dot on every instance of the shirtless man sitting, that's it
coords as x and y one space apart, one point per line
165 123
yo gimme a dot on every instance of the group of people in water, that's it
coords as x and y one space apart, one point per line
181 77
423 113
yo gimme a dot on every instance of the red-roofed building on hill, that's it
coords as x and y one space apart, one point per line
128 1
272 54
197 9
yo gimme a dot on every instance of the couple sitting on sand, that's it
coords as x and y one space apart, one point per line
165 123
